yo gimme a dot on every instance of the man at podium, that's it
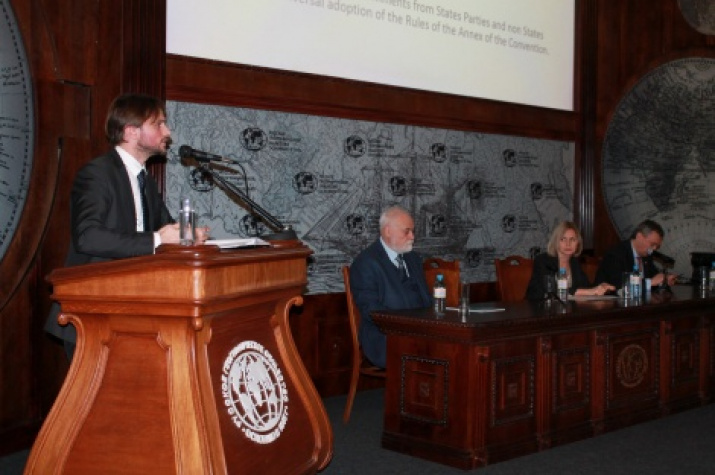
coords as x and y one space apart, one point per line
116 210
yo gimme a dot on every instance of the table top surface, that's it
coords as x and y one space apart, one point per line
492 318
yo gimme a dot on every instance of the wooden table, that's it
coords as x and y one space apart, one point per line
468 391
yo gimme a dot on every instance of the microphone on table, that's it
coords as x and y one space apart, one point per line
554 296
186 151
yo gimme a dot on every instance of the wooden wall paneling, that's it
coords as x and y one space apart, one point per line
72 59
607 59
131 48
18 418
22 352
320 330
204 81
82 55
585 66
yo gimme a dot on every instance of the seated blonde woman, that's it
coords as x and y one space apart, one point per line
565 245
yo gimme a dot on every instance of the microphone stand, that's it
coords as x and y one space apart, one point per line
665 287
552 296
283 232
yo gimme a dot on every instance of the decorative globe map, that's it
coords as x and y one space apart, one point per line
659 158
700 14
16 126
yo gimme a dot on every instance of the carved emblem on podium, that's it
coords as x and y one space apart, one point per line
631 365
255 392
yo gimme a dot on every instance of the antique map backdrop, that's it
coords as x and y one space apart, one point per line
659 158
475 197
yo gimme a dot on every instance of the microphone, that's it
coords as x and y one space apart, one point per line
554 296
662 258
185 152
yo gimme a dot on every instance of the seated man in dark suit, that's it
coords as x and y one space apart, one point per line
646 238
379 280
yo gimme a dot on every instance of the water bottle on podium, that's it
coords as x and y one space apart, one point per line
562 284
439 293
712 277
636 282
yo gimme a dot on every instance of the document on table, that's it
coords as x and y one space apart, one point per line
486 307
234 243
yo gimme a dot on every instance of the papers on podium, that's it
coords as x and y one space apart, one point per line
235 243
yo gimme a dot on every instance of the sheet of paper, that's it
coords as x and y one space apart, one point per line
234 243
482 308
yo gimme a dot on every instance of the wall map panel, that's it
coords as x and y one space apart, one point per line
475 197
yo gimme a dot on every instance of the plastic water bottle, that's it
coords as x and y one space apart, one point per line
712 277
562 285
439 292
636 282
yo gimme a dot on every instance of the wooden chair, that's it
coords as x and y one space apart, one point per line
513 275
450 271
361 366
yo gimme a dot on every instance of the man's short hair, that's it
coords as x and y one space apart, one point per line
646 227
389 212
130 109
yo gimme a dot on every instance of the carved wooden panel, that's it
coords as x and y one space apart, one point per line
571 379
632 368
512 389
684 359
423 389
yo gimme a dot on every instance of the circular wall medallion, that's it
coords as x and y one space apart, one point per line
16 126
659 158
700 14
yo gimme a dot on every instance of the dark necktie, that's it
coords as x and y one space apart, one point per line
141 178
401 267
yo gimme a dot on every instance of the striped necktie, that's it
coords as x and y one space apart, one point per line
401 267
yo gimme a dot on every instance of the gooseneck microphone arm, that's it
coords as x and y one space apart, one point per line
283 233
554 296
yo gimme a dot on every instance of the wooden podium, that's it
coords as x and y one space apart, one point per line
185 364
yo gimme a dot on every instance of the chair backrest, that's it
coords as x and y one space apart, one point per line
359 365
513 275
590 264
353 315
451 273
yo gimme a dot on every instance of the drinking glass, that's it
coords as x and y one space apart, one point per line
464 299
626 292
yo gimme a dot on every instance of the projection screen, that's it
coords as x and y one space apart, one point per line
518 51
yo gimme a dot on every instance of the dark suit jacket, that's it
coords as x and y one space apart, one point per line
103 221
545 264
618 260
376 285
